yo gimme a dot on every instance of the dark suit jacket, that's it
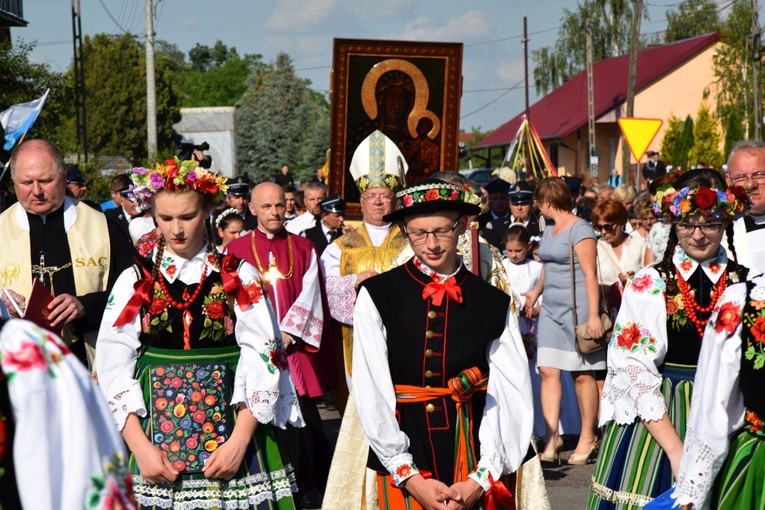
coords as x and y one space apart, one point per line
117 217
316 235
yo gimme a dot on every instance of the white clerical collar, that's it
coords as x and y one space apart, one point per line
380 228
758 220
70 215
713 267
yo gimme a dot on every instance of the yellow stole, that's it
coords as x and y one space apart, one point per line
359 254
88 245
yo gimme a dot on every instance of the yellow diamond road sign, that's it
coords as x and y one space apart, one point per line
639 133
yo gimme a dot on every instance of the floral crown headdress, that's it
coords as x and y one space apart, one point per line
175 175
680 204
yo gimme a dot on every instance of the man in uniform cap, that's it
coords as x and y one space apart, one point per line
331 225
239 198
521 209
494 223
76 184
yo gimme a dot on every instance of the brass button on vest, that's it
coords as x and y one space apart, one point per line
430 408
428 373
428 334
429 353
431 314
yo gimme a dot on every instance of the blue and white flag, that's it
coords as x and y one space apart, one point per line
18 119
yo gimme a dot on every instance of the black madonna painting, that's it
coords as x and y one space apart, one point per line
410 91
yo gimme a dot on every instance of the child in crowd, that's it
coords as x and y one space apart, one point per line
523 273
229 226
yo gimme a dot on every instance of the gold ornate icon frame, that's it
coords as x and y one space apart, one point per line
433 76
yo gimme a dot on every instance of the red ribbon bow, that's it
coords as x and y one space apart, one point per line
498 496
143 292
232 285
437 290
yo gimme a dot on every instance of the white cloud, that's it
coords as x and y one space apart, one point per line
376 10
468 26
299 15
511 70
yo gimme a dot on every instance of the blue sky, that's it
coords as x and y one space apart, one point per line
491 31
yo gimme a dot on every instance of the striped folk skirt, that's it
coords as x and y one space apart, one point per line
741 481
632 469
264 480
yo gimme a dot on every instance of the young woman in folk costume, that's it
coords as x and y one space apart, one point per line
654 350
191 361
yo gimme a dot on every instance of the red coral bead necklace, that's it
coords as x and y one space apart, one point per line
186 304
692 308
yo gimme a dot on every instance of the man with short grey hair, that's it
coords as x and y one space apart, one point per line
313 194
71 248
746 168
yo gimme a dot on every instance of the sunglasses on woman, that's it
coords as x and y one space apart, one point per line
605 227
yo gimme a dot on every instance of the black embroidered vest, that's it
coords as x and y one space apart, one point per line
427 346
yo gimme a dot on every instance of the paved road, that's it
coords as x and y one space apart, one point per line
567 486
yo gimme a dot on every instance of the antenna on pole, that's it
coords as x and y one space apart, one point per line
79 80
526 63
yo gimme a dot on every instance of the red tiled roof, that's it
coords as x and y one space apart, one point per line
564 110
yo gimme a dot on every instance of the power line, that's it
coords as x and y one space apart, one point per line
506 92
112 17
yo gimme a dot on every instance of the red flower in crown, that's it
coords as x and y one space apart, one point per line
432 194
728 318
740 194
705 198
407 200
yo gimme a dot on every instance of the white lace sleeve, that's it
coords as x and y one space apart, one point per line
637 347
717 407
262 378
341 295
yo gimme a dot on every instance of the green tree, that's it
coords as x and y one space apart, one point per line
22 80
669 144
116 101
280 120
610 23
692 18
733 70
706 140
203 58
684 144
734 133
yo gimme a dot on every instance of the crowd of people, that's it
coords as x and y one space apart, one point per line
216 317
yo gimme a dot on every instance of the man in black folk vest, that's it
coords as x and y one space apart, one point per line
419 348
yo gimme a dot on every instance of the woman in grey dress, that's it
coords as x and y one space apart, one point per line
556 344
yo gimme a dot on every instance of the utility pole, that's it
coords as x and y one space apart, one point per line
79 80
526 63
756 73
631 78
593 143
151 93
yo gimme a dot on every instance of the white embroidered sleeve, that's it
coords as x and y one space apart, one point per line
262 378
375 395
341 295
117 353
638 345
717 407
305 318
506 427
